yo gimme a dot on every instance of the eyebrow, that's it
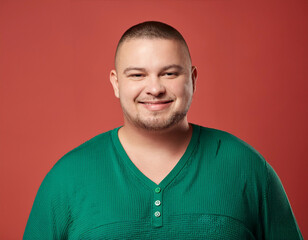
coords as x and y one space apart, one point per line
133 68
178 67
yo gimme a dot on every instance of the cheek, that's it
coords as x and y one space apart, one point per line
129 90
183 90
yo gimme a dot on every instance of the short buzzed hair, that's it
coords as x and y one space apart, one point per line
152 30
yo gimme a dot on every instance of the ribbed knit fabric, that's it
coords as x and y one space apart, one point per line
220 189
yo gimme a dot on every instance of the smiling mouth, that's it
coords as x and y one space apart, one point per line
157 105
156 102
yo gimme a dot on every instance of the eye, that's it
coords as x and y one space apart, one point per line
170 74
136 75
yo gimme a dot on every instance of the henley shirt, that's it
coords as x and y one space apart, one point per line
221 188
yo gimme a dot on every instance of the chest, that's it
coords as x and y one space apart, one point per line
191 206
155 168
155 165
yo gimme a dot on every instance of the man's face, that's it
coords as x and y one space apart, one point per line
155 82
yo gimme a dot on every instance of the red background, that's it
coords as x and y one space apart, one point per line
55 58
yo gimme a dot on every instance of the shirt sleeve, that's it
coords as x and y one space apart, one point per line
50 215
278 219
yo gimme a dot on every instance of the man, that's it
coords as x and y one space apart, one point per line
158 176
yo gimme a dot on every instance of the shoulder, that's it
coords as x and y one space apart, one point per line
226 139
83 158
228 150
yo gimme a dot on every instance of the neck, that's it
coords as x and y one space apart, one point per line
171 138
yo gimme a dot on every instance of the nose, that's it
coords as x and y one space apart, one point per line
155 87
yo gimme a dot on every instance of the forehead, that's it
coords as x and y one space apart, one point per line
144 52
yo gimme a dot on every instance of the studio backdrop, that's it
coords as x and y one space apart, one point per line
55 59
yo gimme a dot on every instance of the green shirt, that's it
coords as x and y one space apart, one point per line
221 188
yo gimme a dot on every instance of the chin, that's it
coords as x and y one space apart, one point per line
158 124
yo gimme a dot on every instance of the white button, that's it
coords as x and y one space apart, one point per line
157 203
157 214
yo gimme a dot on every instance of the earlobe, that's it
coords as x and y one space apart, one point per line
114 81
194 76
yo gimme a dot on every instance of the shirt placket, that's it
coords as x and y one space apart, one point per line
157 209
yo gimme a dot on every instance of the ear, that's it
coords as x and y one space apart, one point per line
194 76
114 81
